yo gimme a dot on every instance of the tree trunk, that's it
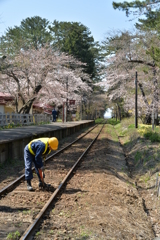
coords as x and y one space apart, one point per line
148 119
26 107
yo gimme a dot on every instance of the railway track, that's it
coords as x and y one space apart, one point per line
21 178
20 207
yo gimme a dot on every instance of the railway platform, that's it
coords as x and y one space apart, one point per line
13 141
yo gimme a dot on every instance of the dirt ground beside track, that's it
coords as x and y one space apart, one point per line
105 199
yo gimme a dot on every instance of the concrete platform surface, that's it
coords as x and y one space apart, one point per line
8 135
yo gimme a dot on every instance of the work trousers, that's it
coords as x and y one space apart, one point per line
28 159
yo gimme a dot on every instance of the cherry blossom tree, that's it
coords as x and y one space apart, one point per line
42 75
127 54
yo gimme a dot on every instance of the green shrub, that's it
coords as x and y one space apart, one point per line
113 121
146 131
152 136
99 120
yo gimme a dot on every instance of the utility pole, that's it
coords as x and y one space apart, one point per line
136 112
153 117
155 98
67 99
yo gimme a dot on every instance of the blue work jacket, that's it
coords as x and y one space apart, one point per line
39 148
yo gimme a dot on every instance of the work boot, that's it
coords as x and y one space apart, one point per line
29 187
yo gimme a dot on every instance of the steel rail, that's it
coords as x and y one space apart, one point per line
16 182
31 229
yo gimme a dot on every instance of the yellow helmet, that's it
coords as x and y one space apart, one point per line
53 143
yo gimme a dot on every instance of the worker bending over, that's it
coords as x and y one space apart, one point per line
33 152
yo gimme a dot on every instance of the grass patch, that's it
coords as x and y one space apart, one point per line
112 121
138 156
131 126
26 212
109 129
14 236
84 234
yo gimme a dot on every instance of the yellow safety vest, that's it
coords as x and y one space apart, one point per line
44 140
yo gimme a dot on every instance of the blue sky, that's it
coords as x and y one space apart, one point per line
98 15
108 113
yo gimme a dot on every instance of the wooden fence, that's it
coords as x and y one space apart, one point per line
23 119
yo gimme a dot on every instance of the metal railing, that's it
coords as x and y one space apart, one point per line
23 119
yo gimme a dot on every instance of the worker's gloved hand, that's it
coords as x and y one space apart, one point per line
44 185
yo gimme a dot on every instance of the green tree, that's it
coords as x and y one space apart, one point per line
32 32
148 8
76 39
137 6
